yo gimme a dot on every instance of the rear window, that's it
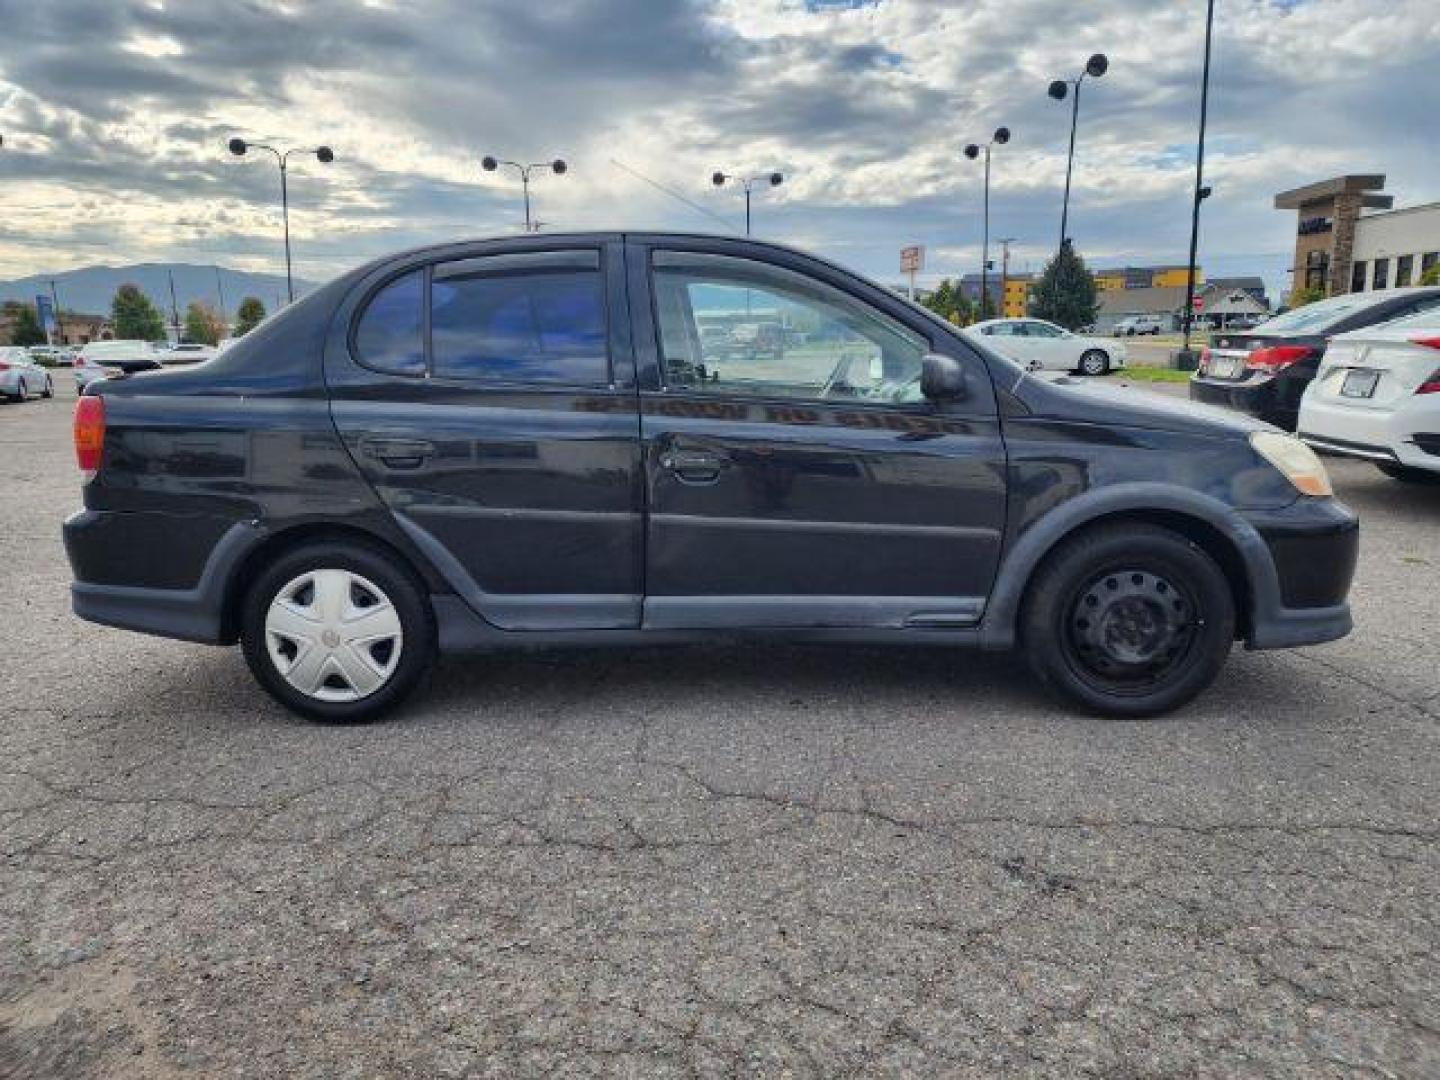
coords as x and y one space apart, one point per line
1424 320
1317 317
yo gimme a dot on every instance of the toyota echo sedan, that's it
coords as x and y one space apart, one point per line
585 440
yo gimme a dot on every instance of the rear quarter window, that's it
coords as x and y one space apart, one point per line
389 336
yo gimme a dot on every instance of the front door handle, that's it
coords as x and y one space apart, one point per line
398 453
693 465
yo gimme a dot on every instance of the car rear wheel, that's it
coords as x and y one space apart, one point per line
49 391
1128 621
22 394
1408 475
337 632
1094 362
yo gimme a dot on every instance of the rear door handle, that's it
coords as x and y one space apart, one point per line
398 453
693 464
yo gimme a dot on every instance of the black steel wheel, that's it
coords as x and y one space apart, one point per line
1128 620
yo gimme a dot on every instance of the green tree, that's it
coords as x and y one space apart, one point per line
26 330
250 315
203 323
135 317
1065 293
1306 294
1431 276
949 303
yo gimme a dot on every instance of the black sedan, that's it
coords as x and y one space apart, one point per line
1264 371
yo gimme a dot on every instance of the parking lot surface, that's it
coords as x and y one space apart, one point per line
714 861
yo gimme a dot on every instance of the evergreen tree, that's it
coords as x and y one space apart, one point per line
27 328
135 317
1065 293
250 315
203 324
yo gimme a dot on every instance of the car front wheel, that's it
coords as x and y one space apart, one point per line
1094 362
1128 621
337 632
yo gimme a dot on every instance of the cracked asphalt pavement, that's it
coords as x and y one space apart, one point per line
714 861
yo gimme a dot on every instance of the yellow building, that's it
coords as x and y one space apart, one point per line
1145 277
1016 302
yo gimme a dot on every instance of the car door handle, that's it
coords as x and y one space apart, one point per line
692 464
398 453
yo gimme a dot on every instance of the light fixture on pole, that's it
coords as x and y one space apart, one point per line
973 151
558 167
774 179
239 147
1095 67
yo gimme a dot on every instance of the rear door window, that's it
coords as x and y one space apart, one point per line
533 318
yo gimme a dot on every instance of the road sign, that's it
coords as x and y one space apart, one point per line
912 259
45 311
1196 303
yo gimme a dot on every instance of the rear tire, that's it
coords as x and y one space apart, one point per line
1094 362
1408 475
336 631
1128 620
23 394
49 391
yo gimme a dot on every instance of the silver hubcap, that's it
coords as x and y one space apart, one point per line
333 635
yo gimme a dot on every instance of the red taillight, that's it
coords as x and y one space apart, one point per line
1275 357
1428 342
4 366
1430 385
89 433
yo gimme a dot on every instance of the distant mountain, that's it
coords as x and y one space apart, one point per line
90 290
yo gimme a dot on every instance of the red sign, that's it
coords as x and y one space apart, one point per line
1197 302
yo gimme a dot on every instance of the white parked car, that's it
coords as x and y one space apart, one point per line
1377 397
100 359
20 376
1043 346
1132 325
188 352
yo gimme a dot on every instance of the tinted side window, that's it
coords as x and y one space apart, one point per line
388 336
531 327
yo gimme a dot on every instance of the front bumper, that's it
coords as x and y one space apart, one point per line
1312 546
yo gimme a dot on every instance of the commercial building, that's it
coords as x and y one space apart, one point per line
1009 295
1340 248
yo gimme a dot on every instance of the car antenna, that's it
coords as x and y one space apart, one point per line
675 195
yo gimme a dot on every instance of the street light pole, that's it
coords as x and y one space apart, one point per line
1185 357
972 151
323 154
558 167
774 179
1095 67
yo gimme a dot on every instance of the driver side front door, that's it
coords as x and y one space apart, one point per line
796 477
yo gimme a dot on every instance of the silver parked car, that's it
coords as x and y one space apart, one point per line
100 359
21 377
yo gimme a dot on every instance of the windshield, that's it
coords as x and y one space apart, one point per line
1318 316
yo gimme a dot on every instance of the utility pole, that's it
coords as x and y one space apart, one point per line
220 289
1185 359
174 307
55 300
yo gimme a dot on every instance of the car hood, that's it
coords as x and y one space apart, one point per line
1090 402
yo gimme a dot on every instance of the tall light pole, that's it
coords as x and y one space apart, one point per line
239 147
1185 359
1096 66
558 167
774 179
972 151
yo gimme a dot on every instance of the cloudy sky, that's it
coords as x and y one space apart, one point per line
115 116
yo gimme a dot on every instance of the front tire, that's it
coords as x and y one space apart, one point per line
22 394
1094 362
337 632
1128 621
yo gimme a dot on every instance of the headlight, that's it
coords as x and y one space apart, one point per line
1301 466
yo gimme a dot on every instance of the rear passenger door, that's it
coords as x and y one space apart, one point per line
488 395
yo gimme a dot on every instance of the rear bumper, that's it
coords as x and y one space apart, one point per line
1255 396
194 611
1409 436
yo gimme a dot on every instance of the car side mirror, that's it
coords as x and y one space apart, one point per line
942 378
